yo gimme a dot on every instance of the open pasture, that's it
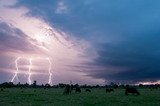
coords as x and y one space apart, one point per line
97 97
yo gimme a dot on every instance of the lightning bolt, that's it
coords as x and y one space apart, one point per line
29 71
49 71
17 70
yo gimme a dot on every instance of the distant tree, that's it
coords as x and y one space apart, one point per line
127 86
72 87
47 85
97 86
140 85
26 85
112 84
7 85
61 85
19 83
76 85
106 86
115 86
35 84
42 85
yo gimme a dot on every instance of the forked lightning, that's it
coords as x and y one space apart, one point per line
31 68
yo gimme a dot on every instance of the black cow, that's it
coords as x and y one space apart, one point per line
109 90
153 87
67 89
88 90
131 90
2 89
78 90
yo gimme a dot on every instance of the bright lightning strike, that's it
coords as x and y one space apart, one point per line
17 70
49 71
29 71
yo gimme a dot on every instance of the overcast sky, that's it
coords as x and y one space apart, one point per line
87 41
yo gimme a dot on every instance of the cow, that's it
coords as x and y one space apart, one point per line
88 90
109 90
131 90
67 89
2 89
78 90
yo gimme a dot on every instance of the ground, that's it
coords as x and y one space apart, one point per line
98 97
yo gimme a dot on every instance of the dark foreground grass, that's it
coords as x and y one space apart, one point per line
98 97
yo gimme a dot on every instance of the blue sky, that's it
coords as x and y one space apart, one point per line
124 34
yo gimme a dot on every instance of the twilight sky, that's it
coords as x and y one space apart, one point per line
86 41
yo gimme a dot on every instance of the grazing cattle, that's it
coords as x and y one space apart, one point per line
153 87
132 91
88 90
78 90
109 90
67 89
1 89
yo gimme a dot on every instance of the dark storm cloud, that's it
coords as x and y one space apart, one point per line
97 17
13 39
125 33
139 56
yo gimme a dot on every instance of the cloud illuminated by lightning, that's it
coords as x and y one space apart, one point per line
45 41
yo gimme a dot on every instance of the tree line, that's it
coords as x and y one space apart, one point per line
62 85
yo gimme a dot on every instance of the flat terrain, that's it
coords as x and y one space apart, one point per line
98 97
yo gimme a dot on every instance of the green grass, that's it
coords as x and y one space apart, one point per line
98 97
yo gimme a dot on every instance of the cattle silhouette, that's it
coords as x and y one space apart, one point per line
67 89
88 90
78 89
2 89
109 90
131 90
154 87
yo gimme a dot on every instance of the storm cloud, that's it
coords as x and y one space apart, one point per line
124 34
138 57
13 39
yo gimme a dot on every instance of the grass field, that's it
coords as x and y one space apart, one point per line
98 97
